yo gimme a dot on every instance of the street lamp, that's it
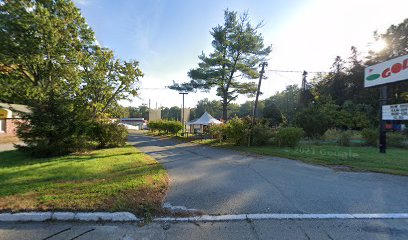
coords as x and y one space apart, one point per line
182 115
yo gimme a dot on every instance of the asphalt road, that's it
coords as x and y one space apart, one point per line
266 229
220 181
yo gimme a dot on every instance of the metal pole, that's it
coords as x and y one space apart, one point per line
383 134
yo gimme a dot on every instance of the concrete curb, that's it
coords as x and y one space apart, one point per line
129 217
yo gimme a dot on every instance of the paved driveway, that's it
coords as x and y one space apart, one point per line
6 147
220 181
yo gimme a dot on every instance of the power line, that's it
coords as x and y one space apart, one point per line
294 71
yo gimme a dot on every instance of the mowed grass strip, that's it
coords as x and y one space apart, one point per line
117 179
356 158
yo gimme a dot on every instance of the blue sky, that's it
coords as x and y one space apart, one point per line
166 36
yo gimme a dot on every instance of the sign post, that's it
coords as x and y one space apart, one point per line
383 133
381 74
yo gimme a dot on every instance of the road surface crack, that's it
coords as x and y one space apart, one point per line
55 234
276 187
90 230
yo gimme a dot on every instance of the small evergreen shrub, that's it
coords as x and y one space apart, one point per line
288 137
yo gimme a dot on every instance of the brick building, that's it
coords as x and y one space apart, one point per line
9 115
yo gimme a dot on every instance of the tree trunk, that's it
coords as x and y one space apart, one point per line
224 108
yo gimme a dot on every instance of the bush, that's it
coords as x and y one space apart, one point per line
110 134
173 127
261 134
332 134
395 139
288 137
344 138
218 131
165 126
313 121
53 129
237 131
370 136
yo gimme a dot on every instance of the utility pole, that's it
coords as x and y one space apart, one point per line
182 114
383 134
305 97
263 64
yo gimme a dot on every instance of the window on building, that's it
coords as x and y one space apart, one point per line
2 125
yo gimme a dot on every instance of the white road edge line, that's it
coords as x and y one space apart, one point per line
129 217
279 216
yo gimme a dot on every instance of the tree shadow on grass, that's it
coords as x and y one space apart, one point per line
39 179
17 158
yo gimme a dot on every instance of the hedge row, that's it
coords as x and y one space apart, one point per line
165 126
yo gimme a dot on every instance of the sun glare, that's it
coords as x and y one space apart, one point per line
378 45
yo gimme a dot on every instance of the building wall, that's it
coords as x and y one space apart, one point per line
10 127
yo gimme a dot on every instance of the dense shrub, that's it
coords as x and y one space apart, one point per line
314 122
261 134
173 127
110 134
54 129
288 137
165 126
236 131
331 134
218 131
344 138
370 136
395 139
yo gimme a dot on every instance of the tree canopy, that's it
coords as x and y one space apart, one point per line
238 50
50 61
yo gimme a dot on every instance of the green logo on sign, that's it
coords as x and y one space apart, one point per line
373 77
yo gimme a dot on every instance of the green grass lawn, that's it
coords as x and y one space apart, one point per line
118 179
395 161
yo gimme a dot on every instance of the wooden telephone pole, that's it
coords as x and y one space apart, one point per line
263 64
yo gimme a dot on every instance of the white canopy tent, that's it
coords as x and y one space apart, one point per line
200 124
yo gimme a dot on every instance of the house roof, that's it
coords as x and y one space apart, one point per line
205 119
15 108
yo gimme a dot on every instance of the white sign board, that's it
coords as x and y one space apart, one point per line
393 70
395 112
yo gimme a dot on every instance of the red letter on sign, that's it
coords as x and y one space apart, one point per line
396 68
386 73
405 64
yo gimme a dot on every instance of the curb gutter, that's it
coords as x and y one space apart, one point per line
130 217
